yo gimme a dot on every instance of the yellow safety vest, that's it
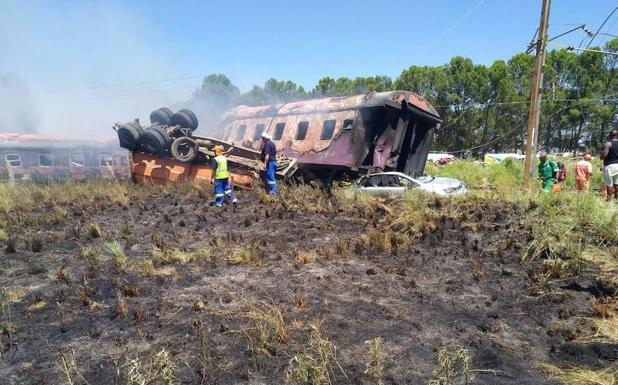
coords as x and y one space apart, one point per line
221 172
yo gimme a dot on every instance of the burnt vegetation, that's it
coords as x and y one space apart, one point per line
304 288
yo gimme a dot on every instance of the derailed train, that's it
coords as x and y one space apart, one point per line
324 138
331 136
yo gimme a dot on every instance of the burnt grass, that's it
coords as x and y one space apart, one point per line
462 284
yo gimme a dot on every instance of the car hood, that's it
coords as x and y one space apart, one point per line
445 182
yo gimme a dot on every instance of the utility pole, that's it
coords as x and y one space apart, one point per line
535 95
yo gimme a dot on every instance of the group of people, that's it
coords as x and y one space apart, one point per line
551 173
221 176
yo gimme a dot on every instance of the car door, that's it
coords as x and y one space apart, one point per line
372 185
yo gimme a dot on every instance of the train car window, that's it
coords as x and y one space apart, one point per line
258 131
46 160
77 160
14 160
105 160
240 134
328 129
279 131
301 132
347 125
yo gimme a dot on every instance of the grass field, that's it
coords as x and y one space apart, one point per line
108 283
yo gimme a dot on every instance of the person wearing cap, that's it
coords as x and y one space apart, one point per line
583 172
269 158
221 178
547 172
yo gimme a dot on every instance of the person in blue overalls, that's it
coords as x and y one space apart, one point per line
221 178
269 157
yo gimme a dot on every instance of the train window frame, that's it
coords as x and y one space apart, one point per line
259 129
111 158
347 124
50 156
328 129
302 130
72 160
11 161
279 129
240 133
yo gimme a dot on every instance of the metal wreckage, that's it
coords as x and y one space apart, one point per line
322 139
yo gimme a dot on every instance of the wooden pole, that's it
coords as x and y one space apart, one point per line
535 95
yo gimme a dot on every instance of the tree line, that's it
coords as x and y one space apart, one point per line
484 108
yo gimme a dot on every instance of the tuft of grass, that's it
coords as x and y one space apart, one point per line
304 257
246 254
116 250
267 330
122 308
160 369
374 367
94 231
315 364
582 376
451 366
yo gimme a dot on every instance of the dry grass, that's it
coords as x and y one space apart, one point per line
267 331
582 376
304 257
374 367
315 364
451 367
245 254
116 250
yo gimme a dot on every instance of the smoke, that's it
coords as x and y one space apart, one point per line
16 108
75 68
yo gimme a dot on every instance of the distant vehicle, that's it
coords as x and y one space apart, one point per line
397 183
42 158
330 137
440 159
498 158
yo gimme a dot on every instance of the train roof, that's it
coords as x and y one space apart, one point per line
33 141
396 99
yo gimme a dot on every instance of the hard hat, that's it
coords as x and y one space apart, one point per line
218 149
265 135
587 157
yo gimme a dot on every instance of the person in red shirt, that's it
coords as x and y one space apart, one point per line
583 172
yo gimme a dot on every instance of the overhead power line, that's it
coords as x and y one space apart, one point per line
130 84
602 24
452 27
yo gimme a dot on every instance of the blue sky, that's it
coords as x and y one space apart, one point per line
60 50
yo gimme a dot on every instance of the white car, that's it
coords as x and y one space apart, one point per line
396 183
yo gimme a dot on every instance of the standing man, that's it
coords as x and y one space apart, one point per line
547 172
609 154
269 157
583 172
221 178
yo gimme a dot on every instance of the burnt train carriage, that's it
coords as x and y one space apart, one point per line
367 132
46 158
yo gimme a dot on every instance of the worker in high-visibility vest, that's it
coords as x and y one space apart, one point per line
221 176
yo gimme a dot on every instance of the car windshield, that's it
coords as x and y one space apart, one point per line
424 178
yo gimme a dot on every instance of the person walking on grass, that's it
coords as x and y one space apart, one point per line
547 172
221 178
583 172
269 157
609 154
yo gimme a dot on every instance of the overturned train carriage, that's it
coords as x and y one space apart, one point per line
368 132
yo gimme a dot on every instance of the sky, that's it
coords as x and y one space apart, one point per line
78 66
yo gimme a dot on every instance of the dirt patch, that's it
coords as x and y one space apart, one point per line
243 293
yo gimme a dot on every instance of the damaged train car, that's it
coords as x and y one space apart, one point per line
332 136
42 158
